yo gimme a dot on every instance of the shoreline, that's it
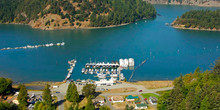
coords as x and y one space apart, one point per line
195 29
111 26
201 5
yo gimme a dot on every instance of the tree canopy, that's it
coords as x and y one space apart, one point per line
22 97
89 105
99 13
47 98
7 106
202 19
72 94
194 91
5 86
89 90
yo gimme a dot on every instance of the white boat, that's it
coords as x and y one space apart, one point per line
83 70
100 75
114 75
62 43
51 44
47 45
58 44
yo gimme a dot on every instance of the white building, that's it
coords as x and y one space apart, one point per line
131 62
153 100
141 106
104 82
116 99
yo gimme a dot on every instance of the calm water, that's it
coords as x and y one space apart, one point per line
150 40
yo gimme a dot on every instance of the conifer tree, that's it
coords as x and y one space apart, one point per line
205 105
22 97
72 93
77 106
47 98
89 105
189 99
75 94
69 92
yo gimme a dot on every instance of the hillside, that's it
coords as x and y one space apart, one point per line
71 14
199 20
205 3
194 91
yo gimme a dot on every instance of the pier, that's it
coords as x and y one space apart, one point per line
72 64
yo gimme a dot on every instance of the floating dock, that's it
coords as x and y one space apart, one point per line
103 70
72 64
34 46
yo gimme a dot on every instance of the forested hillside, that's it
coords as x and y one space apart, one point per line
194 91
50 14
206 3
201 19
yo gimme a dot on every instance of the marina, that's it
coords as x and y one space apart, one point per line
34 46
108 73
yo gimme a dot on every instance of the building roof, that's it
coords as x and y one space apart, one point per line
137 101
141 105
117 98
153 99
132 97
97 99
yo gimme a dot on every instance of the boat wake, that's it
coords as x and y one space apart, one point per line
34 46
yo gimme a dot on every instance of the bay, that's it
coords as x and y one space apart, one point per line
169 52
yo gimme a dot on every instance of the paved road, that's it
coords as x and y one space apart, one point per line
108 103
136 92
62 89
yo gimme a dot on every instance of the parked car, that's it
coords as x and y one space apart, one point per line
140 90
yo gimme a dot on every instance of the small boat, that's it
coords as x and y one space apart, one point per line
58 44
83 70
47 45
51 44
167 24
62 43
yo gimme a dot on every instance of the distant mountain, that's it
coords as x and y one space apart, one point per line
66 14
207 3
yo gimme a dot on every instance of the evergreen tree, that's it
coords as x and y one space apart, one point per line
205 105
189 99
47 98
77 106
75 94
198 91
22 97
69 93
72 93
7 106
89 90
89 105
5 86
